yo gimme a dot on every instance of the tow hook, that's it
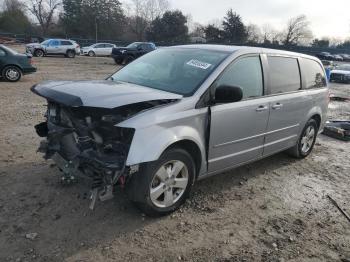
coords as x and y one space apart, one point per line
103 194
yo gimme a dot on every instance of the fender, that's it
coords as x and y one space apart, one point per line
148 144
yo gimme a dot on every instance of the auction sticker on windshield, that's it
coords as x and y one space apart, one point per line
198 64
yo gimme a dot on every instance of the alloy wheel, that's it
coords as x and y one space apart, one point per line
12 74
307 139
169 184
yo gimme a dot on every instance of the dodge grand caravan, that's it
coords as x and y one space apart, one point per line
180 114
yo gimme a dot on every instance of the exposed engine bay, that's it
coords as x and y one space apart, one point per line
85 142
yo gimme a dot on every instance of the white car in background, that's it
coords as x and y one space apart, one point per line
99 49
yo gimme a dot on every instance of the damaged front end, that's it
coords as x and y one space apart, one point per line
82 136
84 142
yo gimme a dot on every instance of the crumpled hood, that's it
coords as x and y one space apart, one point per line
102 93
33 45
343 72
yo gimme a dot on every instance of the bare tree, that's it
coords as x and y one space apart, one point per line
254 34
270 35
297 31
44 11
144 12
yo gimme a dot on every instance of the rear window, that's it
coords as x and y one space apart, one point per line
314 74
284 75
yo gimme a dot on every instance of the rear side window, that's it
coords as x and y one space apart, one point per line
314 74
66 43
245 73
284 75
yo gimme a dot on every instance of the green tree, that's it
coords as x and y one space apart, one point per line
234 29
213 34
322 43
13 18
170 28
85 18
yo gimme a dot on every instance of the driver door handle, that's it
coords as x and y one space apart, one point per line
277 106
261 108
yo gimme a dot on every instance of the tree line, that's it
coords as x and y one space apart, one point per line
139 20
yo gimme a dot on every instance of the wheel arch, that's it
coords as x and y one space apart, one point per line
15 65
192 148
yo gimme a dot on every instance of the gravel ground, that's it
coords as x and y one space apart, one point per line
272 210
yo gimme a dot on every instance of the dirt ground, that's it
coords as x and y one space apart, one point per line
273 210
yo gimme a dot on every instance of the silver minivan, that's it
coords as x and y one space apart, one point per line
181 114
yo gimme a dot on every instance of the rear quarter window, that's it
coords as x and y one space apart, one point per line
313 73
284 75
66 43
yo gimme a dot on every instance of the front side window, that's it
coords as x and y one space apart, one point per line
245 73
176 70
284 75
54 43
314 74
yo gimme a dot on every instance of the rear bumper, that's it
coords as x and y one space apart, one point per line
29 70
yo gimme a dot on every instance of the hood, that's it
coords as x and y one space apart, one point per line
343 72
103 94
33 44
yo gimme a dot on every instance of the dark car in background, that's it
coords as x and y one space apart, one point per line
124 55
68 48
13 65
341 74
325 56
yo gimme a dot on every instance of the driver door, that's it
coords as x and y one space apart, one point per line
53 47
237 130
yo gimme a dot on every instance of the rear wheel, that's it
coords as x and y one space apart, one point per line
306 141
12 73
162 186
70 54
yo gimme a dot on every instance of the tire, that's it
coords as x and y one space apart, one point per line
170 190
39 53
70 54
128 59
91 53
306 142
118 61
12 73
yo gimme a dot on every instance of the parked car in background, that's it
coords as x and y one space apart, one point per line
181 114
327 63
341 74
345 57
338 58
13 65
99 49
325 56
68 48
124 55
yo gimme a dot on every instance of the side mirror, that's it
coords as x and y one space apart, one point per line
228 94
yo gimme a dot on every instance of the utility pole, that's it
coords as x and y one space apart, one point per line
96 29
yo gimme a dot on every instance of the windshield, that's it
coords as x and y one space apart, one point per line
176 70
46 42
133 45
344 67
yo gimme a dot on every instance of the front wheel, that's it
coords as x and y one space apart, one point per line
91 53
12 73
162 186
306 141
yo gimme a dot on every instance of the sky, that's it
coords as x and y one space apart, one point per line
328 18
